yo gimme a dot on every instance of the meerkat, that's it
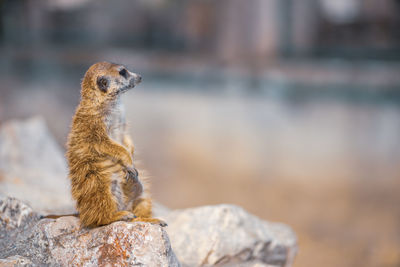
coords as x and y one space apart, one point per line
104 181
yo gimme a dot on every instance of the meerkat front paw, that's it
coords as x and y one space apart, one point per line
132 186
131 174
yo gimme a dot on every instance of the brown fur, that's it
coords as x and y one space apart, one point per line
104 182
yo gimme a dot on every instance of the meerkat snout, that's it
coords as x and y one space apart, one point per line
135 79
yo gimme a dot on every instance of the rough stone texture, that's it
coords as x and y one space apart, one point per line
32 166
226 235
15 261
16 218
63 242
14 214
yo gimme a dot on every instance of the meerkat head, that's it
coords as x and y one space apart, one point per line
104 82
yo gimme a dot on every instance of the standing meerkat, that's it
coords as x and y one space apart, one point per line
104 182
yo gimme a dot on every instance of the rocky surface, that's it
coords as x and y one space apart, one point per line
223 235
15 261
226 235
63 242
32 166
15 218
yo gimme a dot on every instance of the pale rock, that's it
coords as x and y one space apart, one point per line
64 242
15 261
33 167
226 235
16 218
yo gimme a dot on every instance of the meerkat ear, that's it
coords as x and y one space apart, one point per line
102 83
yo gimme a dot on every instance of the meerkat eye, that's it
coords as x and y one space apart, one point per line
123 73
102 83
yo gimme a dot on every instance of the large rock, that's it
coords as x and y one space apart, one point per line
63 242
32 166
226 235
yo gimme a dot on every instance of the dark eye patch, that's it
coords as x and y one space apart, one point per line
102 83
123 73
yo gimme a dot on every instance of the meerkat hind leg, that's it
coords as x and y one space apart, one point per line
100 217
123 215
142 209
96 204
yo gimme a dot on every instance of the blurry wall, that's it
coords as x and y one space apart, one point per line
231 30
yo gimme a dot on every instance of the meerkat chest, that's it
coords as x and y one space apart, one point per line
115 122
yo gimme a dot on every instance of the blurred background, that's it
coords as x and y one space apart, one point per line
287 108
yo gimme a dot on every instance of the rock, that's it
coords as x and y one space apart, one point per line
15 261
16 218
226 235
32 166
63 242
14 214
